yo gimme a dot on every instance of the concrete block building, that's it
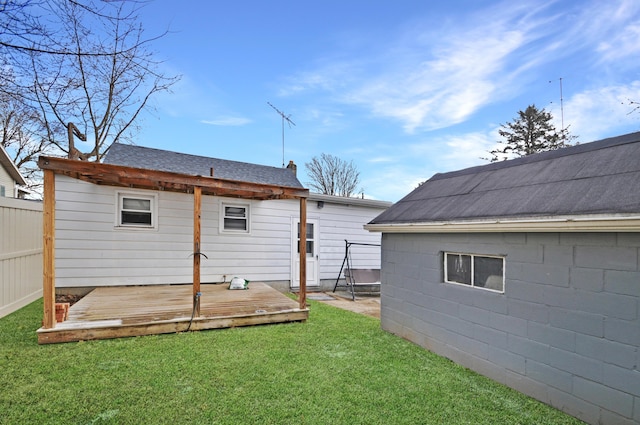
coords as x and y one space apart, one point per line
527 271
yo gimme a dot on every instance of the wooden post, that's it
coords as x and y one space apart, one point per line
303 253
48 250
197 209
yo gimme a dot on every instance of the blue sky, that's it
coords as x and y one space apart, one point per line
404 89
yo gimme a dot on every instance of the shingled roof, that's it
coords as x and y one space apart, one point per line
162 160
600 178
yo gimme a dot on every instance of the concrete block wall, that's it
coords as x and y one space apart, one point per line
566 330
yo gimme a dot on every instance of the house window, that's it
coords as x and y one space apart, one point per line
235 218
136 210
480 271
3 191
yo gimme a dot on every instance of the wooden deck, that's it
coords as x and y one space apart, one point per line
114 312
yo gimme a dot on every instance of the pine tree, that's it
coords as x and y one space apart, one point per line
530 133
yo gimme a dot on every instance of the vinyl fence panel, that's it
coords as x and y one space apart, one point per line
20 253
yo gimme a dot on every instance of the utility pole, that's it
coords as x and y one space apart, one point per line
284 117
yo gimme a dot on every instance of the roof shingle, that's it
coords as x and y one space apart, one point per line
601 177
162 160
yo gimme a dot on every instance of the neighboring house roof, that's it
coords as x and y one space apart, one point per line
162 160
7 164
583 187
344 200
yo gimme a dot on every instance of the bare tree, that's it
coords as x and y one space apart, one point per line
88 64
20 127
24 147
331 175
635 106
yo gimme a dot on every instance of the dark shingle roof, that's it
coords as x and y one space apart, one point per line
601 177
161 160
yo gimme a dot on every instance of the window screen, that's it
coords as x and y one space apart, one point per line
475 270
136 211
236 218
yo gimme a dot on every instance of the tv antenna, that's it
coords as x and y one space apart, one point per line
284 118
561 103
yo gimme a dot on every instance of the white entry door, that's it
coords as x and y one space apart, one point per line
312 253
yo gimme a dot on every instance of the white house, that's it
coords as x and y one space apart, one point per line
108 236
10 177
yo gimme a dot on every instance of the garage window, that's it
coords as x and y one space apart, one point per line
478 271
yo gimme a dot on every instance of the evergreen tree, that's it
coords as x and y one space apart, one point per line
531 132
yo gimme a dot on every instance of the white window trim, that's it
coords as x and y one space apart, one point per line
153 197
472 285
246 206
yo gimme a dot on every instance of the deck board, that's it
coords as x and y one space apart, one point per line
113 312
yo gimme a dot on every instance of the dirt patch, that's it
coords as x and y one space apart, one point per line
68 298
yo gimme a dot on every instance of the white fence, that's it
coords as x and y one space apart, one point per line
20 253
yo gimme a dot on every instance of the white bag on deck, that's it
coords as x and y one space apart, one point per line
238 283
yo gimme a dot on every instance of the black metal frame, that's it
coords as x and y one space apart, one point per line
347 260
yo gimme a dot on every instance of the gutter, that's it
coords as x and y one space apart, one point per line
609 223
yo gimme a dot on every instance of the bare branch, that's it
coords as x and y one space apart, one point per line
331 175
95 70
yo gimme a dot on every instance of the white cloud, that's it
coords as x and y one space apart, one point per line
622 45
395 175
393 183
432 77
612 28
227 121
468 150
330 76
445 89
380 160
427 79
596 113
455 152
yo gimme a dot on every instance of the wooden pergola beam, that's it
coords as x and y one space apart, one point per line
302 297
197 209
117 175
48 250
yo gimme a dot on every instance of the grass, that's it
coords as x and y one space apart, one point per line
337 368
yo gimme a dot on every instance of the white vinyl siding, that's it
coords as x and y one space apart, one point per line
90 252
7 184
339 222
263 255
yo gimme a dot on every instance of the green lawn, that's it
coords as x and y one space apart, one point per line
337 368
